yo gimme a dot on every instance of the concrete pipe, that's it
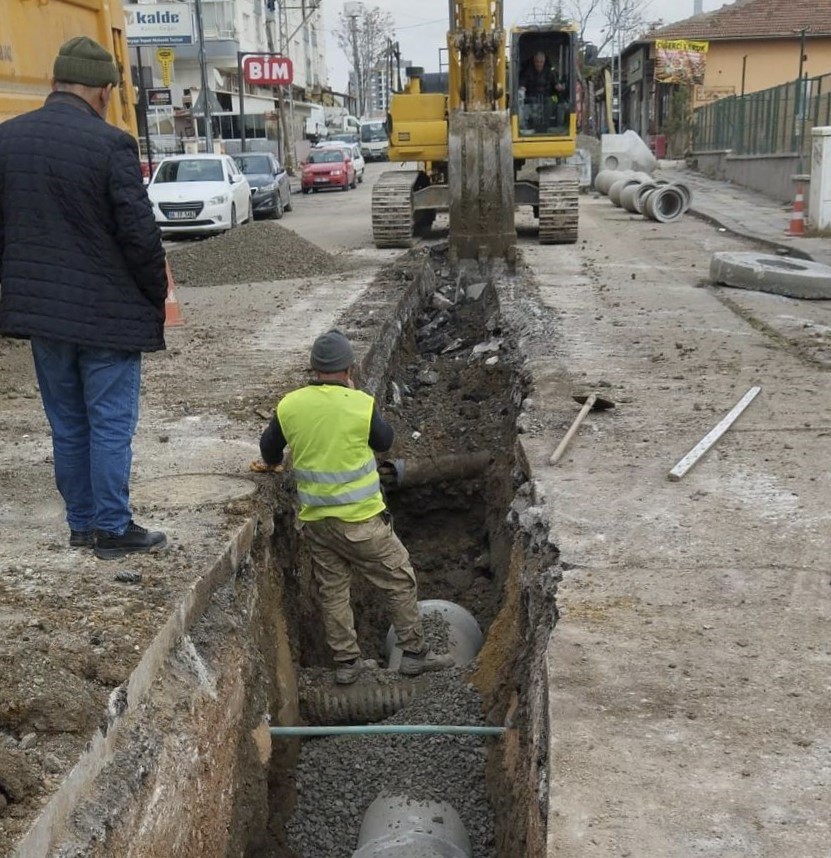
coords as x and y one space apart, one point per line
642 192
605 179
686 191
617 189
395 826
464 637
664 204
628 196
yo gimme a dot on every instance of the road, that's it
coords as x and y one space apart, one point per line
688 695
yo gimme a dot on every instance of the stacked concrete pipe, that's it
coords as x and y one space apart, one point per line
396 826
666 204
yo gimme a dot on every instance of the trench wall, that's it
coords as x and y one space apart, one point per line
181 765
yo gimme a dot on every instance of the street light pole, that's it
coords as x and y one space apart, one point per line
203 75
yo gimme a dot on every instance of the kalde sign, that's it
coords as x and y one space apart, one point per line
267 70
161 24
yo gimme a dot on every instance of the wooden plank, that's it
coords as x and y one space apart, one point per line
712 436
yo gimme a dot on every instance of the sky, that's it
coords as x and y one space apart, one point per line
421 27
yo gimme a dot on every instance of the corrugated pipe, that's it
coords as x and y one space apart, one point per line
363 701
396 826
464 637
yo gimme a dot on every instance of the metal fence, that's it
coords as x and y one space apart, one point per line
772 121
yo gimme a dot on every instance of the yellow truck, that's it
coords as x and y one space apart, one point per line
32 31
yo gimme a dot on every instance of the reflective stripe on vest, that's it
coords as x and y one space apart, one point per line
352 496
336 476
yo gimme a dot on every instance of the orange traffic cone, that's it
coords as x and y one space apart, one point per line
172 310
797 226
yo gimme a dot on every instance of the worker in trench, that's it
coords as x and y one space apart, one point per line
332 430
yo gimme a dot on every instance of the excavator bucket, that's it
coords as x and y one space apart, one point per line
481 178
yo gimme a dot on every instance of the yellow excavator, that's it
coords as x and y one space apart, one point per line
487 142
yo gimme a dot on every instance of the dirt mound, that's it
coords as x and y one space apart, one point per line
252 253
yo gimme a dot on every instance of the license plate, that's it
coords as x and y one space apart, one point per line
321 181
187 214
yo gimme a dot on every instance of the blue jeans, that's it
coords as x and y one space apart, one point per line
91 399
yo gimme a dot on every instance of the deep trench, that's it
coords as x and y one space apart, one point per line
468 546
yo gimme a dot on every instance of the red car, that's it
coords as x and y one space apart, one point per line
328 168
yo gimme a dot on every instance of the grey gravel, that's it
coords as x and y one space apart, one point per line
252 253
339 777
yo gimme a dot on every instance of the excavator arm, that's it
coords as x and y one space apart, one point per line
480 160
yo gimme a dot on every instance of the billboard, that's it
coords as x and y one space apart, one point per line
160 24
680 61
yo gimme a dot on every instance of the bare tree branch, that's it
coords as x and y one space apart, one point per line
363 39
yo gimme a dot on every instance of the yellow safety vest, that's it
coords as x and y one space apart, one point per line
327 428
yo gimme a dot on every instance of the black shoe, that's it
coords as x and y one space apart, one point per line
81 538
134 540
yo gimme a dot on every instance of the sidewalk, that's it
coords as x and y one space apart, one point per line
747 213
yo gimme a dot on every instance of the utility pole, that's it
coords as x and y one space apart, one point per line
359 83
799 107
203 76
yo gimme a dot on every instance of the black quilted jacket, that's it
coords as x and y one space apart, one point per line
81 257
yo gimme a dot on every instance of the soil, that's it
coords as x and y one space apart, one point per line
253 253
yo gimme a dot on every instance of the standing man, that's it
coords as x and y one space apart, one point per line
332 430
82 275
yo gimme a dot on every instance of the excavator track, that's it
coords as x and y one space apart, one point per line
558 205
392 208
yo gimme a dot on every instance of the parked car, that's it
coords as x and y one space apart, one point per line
354 151
344 137
199 194
270 187
328 167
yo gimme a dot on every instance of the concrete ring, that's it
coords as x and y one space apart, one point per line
794 278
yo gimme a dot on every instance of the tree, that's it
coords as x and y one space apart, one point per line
362 34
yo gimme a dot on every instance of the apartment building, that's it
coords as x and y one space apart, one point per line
231 28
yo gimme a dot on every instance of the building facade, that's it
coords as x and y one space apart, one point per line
751 45
233 28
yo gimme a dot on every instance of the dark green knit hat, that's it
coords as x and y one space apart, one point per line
332 352
81 60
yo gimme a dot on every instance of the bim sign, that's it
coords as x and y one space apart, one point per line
267 70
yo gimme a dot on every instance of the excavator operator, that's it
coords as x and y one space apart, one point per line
542 95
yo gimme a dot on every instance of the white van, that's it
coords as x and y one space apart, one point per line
374 141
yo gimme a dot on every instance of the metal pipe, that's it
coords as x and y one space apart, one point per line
386 729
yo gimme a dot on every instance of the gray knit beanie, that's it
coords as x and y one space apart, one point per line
81 60
332 352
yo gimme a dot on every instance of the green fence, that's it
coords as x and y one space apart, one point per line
769 122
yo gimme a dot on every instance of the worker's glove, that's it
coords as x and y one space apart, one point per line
521 93
555 99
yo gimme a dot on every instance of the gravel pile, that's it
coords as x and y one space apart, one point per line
252 253
339 777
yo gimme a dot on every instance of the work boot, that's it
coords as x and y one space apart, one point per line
81 538
134 540
426 661
348 671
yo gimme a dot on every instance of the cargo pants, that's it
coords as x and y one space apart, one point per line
372 549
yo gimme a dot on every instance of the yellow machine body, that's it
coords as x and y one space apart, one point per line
32 31
481 145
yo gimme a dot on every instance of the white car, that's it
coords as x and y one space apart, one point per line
199 194
354 151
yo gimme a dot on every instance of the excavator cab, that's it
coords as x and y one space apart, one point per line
541 81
